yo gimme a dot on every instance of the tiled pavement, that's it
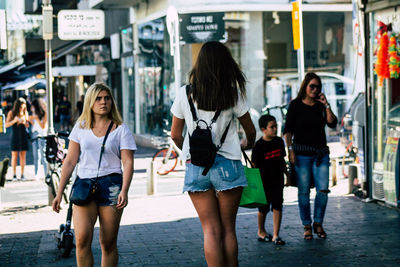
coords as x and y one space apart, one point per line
164 231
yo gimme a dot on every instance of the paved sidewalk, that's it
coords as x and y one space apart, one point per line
165 231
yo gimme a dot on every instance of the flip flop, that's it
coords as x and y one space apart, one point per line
279 242
267 238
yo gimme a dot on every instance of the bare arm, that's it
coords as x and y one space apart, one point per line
176 131
127 163
330 117
249 130
66 171
11 121
288 139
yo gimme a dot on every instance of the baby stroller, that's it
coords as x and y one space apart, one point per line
55 154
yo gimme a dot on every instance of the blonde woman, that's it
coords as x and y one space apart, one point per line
17 118
111 196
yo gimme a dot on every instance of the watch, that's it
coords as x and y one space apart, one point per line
290 148
327 106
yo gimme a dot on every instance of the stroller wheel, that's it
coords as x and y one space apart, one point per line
68 245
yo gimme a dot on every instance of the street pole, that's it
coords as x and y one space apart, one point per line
47 12
300 52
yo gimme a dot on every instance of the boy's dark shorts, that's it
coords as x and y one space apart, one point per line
274 196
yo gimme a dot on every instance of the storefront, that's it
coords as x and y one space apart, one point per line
383 95
259 36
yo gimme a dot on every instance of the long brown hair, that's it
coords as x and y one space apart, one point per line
86 119
216 78
307 79
17 106
40 107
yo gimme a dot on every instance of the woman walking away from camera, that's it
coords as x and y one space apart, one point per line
217 83
305 138
38 120
111 195
18 119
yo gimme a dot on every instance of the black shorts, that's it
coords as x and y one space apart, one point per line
274 196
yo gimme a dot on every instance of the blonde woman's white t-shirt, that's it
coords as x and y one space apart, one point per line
90 145
231 147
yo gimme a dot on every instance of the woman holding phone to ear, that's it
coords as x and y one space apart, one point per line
304 132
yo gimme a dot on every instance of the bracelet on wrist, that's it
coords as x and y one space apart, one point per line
290 148
327 106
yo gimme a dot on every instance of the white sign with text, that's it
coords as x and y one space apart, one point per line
81 24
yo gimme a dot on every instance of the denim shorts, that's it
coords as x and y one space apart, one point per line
108 188
225 174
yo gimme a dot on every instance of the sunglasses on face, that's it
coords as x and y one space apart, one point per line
315 86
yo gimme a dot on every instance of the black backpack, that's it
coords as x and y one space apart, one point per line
201 147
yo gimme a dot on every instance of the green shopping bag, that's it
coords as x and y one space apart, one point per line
253 195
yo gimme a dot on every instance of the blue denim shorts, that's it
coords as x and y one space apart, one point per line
108 188
225 174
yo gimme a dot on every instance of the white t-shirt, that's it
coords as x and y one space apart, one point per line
90 145
231 147
37 130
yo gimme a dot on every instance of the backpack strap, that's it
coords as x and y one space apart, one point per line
104 145
193 109
224 135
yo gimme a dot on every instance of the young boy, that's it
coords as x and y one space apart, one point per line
268 155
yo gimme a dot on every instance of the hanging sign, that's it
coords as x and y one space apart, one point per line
201 27
296 25
81 24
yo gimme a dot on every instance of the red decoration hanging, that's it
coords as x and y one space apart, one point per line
382 63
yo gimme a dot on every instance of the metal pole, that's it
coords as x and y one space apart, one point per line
47 11
300 51
49 86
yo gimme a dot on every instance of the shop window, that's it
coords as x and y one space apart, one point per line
156 77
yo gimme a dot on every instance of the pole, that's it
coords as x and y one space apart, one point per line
300 51
47 13
49 86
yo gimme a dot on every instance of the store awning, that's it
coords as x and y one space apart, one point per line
26 85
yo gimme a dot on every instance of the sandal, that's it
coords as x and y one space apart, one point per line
319 230
267 238
279 242
308 232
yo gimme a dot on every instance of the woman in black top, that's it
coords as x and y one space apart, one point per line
305 137
18 119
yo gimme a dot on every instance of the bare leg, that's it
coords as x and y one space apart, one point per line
261 224
22 161
206 205
228 206
84 219
109 218
277 218
14 157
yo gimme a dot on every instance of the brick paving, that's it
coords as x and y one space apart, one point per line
359 234
163 230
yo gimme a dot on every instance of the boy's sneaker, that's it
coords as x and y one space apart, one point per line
14 178
23 177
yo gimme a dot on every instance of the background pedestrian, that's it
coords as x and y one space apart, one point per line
63 109
17 118
217 83
38 120
305 138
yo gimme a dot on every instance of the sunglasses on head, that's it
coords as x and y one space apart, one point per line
315 86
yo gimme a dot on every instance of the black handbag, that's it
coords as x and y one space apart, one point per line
84 189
